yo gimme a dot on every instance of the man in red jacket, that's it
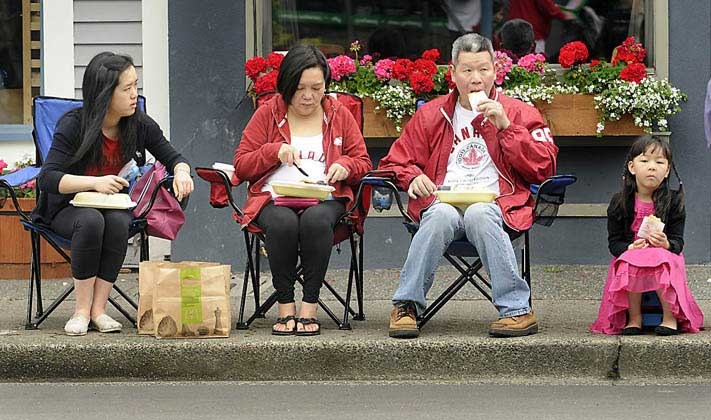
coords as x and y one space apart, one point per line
497 144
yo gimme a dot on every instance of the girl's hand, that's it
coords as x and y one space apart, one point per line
336 173
658 240
638 244
109 184
288 154
182 182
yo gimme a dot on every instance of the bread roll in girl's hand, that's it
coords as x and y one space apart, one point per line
650 224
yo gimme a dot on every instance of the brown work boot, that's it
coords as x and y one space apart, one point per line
514 326
403 321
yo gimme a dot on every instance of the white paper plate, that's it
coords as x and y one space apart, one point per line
302 189
104 206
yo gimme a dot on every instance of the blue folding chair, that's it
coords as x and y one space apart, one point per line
46 113
549 195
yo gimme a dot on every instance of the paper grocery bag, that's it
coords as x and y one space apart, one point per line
147 279
192 300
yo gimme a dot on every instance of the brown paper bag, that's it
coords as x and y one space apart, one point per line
147 278
192 300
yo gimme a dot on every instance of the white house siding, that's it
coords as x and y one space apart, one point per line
106 25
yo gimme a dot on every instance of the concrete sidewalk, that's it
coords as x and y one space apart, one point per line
453 346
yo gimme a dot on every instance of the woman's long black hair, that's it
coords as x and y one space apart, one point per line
100 80
662 196
298 59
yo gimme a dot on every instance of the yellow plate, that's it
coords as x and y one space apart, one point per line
303 190
463 199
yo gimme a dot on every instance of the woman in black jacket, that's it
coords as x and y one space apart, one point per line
90 145
645 224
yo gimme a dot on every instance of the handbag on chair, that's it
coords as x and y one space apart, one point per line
165 218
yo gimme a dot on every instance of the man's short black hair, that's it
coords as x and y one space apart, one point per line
517 36
298 59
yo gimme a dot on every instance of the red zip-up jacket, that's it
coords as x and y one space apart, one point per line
523 153
256 156
538 13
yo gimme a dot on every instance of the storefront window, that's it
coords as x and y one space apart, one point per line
11 66
405 28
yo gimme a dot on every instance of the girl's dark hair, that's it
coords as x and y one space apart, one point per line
662 196
100 80
298 59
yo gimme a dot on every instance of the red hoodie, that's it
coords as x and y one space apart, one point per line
256 156
538 13
523 153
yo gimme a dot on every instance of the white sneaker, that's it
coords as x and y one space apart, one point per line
104 323
77 325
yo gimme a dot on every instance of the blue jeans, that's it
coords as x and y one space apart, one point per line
482 225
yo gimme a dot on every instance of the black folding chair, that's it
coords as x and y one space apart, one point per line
549 195
46 113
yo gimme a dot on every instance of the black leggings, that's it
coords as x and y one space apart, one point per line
99 240
290 235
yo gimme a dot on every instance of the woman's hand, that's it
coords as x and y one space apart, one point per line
336 173
289 154
638 244
109 184
182 182
658 240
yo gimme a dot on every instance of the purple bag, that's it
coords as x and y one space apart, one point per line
166 217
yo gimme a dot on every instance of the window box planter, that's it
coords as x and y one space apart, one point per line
16 247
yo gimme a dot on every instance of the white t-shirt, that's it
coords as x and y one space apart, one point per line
469 161
313 162
467 12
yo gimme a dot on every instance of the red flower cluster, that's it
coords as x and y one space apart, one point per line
401 68
634 72
254 66
266 83
629 52
432 55
573 53
421 83
448 78
274 60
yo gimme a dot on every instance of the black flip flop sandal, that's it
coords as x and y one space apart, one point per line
284 321
307 321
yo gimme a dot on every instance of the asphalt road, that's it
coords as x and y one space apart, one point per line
369 401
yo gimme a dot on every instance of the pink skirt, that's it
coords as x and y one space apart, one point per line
644 270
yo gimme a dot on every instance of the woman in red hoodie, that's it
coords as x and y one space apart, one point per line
300 131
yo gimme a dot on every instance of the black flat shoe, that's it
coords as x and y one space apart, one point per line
307 321
666 331
285 321
632 331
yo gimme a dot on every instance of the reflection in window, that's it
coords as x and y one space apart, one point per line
11 62
405 28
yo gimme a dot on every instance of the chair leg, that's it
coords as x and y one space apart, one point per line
255 275
527 266
38 274
123 311
359 282
248 269
145 250
28 324
352 274
126 297
40 319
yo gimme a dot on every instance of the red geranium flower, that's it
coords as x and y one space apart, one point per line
421 83
594 63
432 54
629 52
254 66
448 78
402 69
573 53
634 73
266 83
274 60
425 66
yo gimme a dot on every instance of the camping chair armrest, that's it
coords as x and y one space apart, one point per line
220 184
549 195
384 179
11 192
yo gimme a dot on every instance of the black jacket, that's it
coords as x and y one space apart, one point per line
65 143
620 236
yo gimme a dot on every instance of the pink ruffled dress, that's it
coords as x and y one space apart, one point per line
643 270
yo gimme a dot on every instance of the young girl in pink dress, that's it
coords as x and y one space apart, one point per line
652 263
